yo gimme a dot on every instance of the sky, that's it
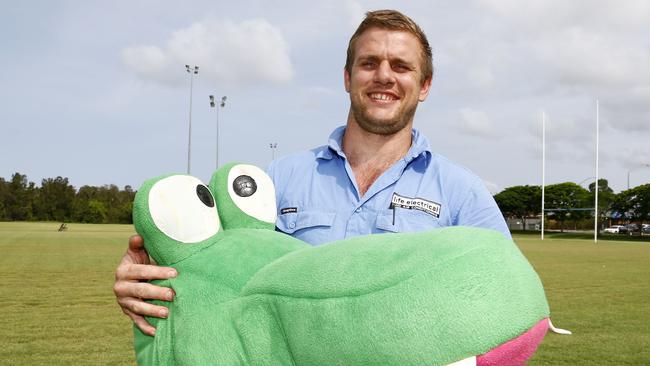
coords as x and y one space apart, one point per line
97 91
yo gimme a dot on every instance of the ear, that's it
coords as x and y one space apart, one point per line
346 79
424 89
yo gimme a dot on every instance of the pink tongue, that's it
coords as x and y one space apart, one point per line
516 351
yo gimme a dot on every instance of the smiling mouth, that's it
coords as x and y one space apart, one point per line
382 97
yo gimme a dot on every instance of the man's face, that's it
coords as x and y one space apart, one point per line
385 83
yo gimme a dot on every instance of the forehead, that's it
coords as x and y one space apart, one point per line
386 43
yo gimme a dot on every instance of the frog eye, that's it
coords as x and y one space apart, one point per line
252 191
183 208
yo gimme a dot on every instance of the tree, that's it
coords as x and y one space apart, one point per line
55 199
4 195
81 211
106 204
520 202
634 203
20 198
605 198
96 212
561 198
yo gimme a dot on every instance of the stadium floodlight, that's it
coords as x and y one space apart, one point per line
273 146
633 169
192 71
221 105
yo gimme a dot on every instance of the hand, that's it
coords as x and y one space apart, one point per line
130 291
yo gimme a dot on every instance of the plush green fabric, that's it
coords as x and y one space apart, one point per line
235 218
254 296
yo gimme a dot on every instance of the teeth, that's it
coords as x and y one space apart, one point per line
380 96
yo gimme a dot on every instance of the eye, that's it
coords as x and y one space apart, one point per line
252 191
401 68
367 64
204 195
183 208
244 186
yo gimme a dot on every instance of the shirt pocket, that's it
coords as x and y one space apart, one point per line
406 221
289 223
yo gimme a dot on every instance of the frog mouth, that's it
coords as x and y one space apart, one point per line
513 352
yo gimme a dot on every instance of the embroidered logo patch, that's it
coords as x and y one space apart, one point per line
287 210
430 207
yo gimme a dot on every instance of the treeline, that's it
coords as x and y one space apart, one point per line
57 200
569 202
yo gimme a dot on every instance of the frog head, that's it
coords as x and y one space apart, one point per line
245 197
178 215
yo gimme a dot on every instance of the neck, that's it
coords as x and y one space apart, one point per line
370 155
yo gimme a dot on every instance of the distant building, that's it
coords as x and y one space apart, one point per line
532 223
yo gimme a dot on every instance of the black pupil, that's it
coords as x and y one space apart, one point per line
244 186
204 195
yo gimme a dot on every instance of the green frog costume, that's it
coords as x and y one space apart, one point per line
248 295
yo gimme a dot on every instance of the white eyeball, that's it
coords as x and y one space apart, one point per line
252 191
183 208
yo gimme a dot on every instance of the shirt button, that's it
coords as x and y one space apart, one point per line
358 210
292 225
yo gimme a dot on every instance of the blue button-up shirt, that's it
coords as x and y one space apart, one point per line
318 198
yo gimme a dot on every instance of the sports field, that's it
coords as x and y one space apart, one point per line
58 307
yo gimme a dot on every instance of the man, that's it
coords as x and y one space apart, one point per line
376 175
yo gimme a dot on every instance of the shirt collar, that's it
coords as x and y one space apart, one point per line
419 145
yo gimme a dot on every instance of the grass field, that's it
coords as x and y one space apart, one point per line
58 307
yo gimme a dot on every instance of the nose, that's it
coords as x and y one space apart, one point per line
384 73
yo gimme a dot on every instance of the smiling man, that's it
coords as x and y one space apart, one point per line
377 174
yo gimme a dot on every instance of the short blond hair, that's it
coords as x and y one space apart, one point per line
393 20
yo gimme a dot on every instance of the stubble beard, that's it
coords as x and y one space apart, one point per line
382 127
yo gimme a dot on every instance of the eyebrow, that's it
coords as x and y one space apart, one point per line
393 60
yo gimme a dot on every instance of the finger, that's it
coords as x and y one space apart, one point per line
144 272
141 323
136 251
142 308
136 242
142 290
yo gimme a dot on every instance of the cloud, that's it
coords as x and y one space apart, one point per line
492 187
149 62
354 13
580 48
629 15
579 56
582 42
250 52
475 123
481 77
633 158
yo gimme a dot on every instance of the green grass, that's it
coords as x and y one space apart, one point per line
56 295
601 292
58 306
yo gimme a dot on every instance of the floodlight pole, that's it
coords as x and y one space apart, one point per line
633 169
192 71
221 105
543 166
628 178
273 146
597 185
